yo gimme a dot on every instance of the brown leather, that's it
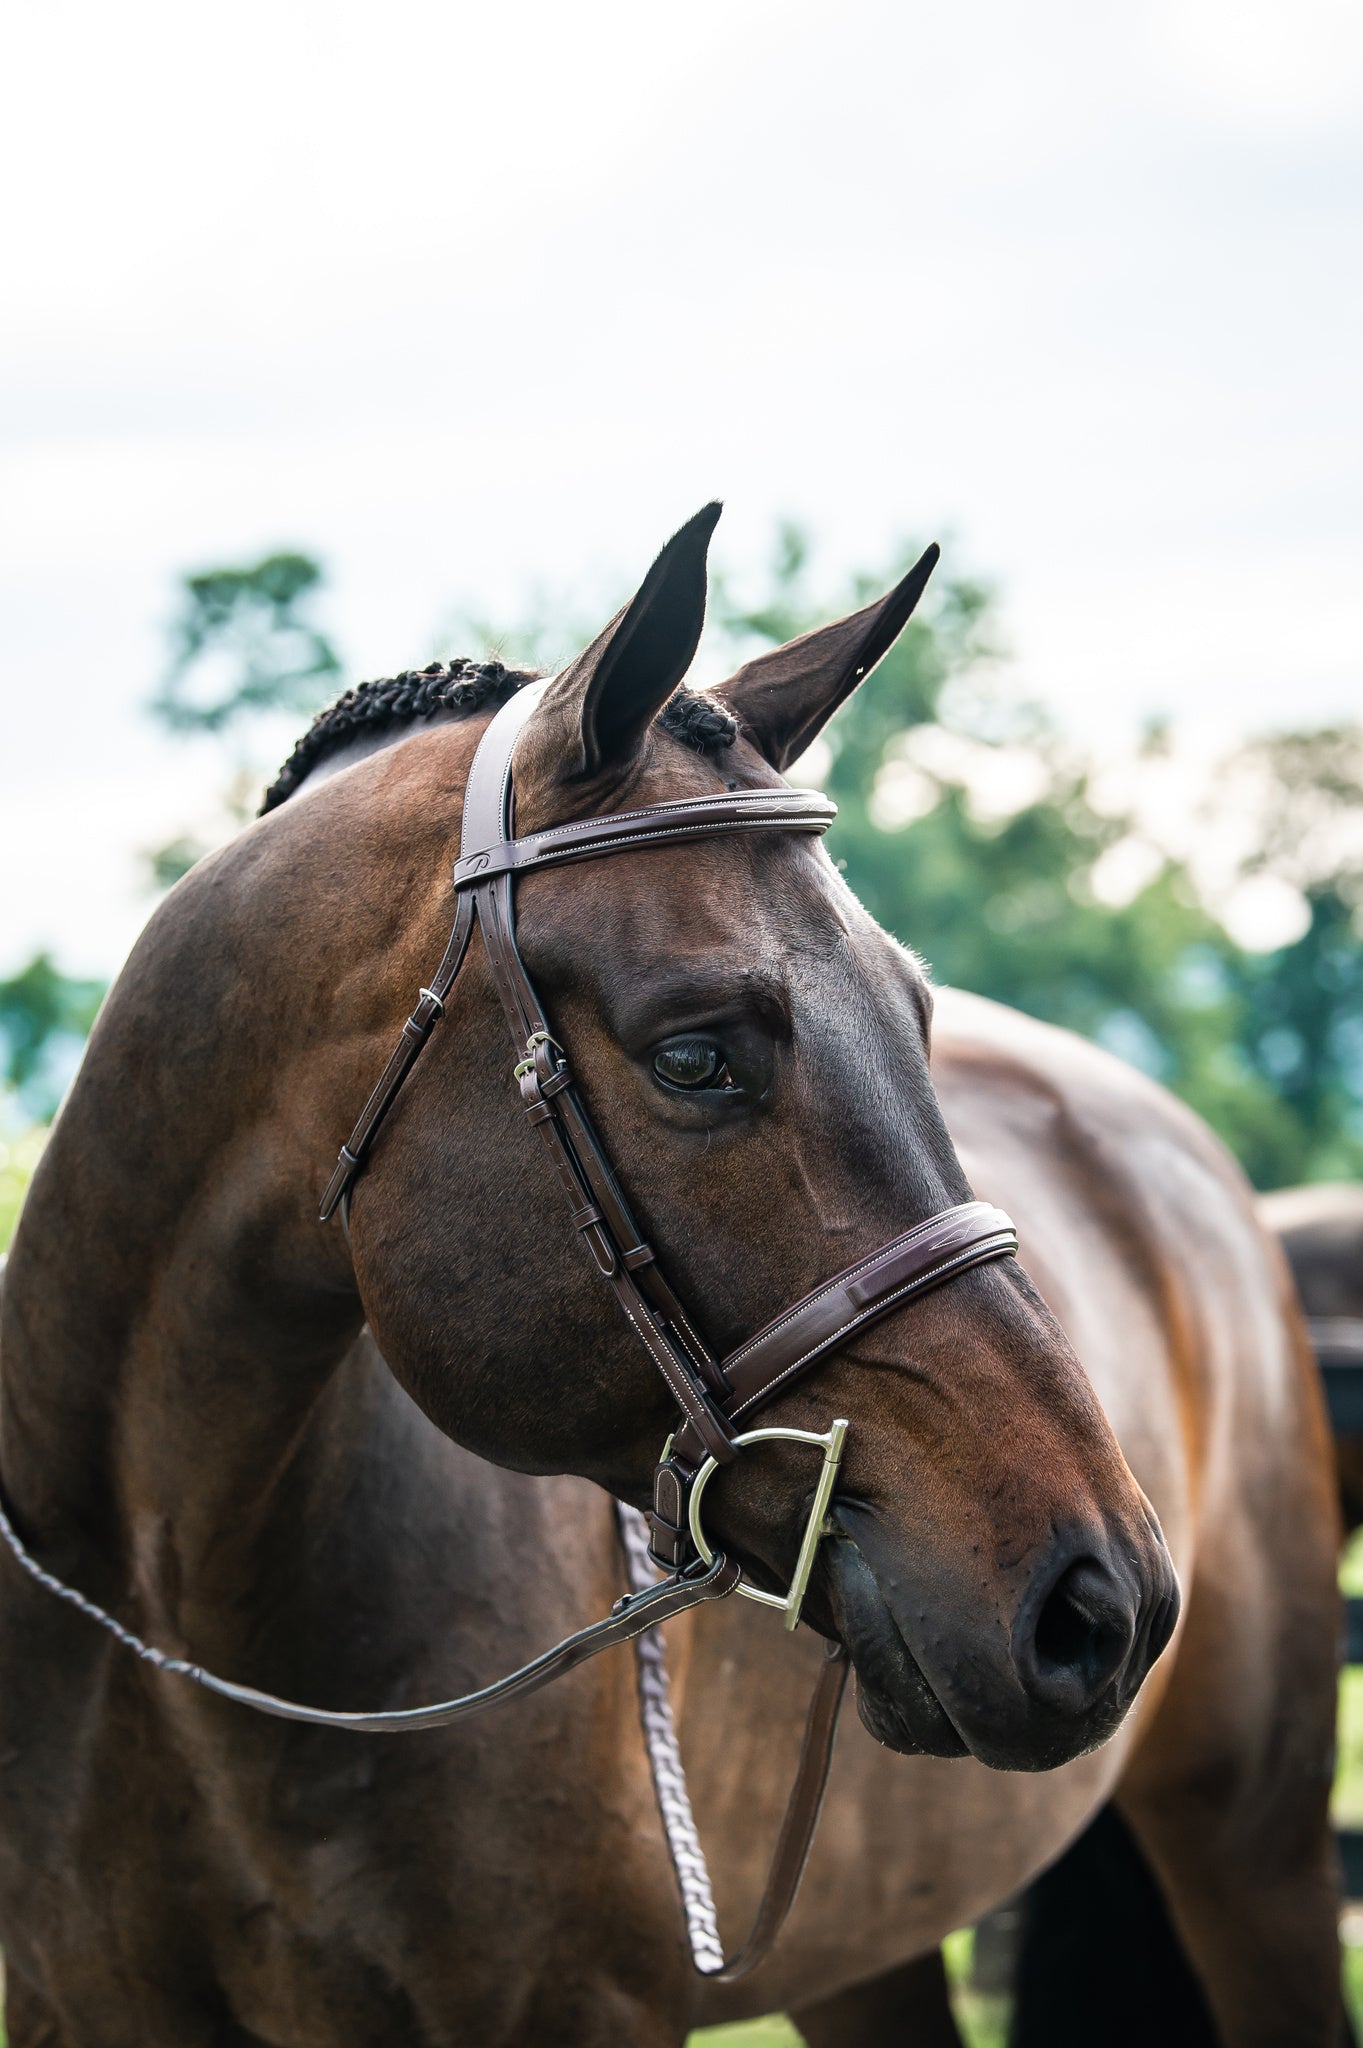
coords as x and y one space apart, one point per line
745 810
710 1397
629 1617
911 1265
415 1032
801 1818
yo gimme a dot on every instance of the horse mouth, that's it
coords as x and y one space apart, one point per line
895 1702
1035 1699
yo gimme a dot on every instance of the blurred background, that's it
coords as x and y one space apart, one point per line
337 340
333 343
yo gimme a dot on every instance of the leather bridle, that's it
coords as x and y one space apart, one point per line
712 1396
715 1398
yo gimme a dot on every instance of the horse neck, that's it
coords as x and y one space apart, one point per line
173 1312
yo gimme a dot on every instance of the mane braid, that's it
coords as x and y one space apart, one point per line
462 687
373 708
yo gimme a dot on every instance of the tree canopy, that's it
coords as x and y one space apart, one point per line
969 824
970 827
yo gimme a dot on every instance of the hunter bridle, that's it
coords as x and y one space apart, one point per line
716 1398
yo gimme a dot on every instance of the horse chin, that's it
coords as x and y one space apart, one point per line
894 1700
900 1708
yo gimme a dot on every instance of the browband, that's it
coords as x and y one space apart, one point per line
711 1396
748 810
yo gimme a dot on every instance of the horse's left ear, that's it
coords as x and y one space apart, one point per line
783 699
608 697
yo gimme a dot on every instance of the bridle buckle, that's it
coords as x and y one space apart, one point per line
532 1043
830 1443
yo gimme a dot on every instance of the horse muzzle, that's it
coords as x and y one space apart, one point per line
943 1672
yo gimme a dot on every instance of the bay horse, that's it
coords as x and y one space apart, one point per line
369 1470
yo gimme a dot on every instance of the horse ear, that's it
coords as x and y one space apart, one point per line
785 698
611 693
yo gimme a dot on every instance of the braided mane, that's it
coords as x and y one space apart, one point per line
463 687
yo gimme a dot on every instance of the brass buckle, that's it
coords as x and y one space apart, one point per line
830 1443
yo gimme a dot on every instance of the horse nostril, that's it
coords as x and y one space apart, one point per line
1082 1637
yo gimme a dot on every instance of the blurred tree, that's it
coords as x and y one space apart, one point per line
967 826
44 1018
1299 795
244 644
244 652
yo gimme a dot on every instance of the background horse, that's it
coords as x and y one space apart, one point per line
305 1461
1321 1230
1064 1951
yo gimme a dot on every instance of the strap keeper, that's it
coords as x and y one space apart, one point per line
581 1218
667 1547
642 1255
338 1187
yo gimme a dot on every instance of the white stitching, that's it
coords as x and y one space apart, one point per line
801 822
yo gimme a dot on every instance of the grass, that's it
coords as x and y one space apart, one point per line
983 2021
770 2033
18 1157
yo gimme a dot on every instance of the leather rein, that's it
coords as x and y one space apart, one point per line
713 1396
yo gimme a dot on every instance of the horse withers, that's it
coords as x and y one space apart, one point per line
305 1459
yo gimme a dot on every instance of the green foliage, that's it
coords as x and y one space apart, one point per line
244 644
244 653
43 1014
969 827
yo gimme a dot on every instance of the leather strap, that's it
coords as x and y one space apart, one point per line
746 810
487 853
801 1818
923 1258
710 1397
596 1203
627 1619
430 1006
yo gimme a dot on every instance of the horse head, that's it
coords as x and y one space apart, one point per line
755 1052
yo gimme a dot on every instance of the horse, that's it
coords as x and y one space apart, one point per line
364 1468
1320 1229
1064 1947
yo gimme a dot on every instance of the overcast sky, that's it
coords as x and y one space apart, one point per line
473 300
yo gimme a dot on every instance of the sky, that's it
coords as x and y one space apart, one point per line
477 302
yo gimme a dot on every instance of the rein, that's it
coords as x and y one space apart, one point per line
712 1395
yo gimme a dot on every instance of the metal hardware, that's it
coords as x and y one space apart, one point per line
830 1443
429 995
536 1038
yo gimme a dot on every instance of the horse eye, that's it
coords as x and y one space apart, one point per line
691 1063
